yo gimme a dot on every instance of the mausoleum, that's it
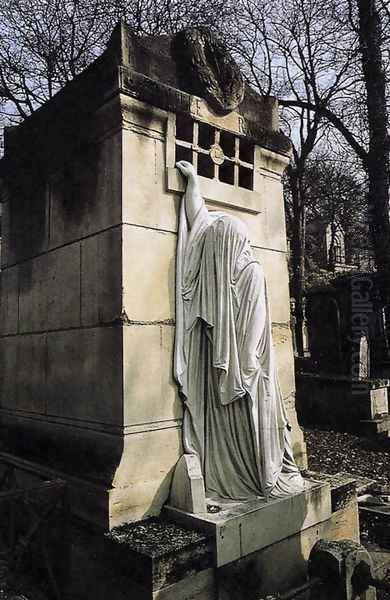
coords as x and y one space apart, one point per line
91 200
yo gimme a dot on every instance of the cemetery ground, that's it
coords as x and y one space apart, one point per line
331 452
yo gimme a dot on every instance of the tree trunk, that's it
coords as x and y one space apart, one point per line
297 256
377 163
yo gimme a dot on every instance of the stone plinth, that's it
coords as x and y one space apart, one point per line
160 559
240 529
90 206
147 560
161 555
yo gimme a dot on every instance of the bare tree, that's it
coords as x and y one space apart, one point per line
308 127
377 156
327 58
156 17
46 43
336 193
292 49
43 45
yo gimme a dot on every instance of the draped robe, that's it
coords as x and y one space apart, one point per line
234 417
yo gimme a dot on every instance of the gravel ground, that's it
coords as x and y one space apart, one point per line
330 452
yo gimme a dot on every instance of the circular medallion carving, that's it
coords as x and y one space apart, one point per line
216 154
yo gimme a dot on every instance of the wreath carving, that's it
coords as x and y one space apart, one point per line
206 69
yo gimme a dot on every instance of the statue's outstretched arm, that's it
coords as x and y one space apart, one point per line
194 201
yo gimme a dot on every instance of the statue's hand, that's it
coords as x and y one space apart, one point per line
193 199
186 169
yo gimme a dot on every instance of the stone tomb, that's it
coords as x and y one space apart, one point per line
90 207
91 197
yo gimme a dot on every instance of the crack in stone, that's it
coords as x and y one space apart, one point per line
125 320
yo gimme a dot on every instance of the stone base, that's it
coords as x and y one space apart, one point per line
280 560
99 502
283 565
241 553
147 560
242 528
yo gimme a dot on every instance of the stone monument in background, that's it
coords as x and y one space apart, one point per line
91 200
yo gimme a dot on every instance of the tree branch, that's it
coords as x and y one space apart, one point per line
332 118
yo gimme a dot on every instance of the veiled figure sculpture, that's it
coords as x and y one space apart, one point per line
234 417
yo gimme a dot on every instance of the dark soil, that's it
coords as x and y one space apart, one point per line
331 452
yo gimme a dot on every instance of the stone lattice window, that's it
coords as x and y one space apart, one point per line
215 153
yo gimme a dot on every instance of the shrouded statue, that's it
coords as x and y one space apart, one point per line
234 418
